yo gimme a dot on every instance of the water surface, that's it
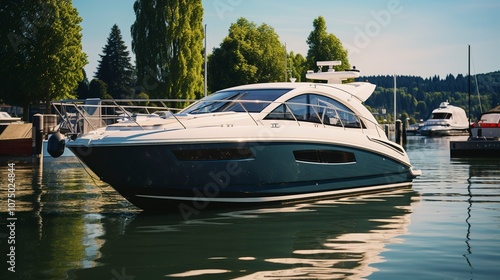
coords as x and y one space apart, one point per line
71 226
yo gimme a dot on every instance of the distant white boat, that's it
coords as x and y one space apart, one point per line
488 126
447 120
6 119
484 139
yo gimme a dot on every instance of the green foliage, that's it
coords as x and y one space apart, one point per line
149 43
98 89
421 110
296 66
114 68
82 90
324 47
249 54
41 51
417 96
142 95
167 39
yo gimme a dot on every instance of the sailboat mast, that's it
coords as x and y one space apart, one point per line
469 86
395 117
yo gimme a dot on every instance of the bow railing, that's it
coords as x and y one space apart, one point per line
82 116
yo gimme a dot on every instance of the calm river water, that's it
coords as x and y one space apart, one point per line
69 226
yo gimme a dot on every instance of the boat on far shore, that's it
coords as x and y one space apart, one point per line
484 139
446 120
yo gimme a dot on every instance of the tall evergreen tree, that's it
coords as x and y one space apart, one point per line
41 51
325 47
249 54
114 68
167 39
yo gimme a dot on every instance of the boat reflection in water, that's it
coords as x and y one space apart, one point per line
59 211
323 240
69 228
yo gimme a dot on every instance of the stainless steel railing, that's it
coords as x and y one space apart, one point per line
83 116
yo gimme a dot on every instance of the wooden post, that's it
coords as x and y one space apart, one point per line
37 135
405 127
398 132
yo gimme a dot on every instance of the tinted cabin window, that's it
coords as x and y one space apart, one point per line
324 156
318 109
441 116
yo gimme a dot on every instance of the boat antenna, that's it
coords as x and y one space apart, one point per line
205 58
395 116
286 64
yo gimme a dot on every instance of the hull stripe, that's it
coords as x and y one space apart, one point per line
277 198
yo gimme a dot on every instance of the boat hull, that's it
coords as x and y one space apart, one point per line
430 132
16 147
475 149
162 177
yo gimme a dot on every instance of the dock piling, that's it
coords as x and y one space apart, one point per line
37 135
398 131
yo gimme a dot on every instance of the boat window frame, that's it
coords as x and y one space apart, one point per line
341 115
237 100
437 116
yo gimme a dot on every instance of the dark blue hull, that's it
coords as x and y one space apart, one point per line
196 176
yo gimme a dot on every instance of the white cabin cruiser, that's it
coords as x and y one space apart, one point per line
252 144
484 139
447 120
488 126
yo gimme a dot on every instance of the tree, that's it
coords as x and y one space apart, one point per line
98 89
296 66
82 90
167 39
41 51
325 47
114 68
249 54
421 110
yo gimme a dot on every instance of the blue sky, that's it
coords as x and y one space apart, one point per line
383 37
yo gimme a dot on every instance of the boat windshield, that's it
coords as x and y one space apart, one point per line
441 116
252 101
